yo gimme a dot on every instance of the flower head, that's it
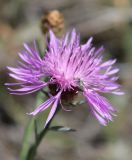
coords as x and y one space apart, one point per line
70 67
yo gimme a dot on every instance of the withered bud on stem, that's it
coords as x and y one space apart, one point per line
53 20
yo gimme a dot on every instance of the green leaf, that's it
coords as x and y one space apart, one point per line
61 129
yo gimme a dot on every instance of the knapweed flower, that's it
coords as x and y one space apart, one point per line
70 67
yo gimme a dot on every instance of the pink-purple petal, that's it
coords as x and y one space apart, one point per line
42 107
100 107
52 112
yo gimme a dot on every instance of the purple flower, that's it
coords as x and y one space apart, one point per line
70 67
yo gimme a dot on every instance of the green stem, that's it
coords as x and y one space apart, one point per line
26 139
33 149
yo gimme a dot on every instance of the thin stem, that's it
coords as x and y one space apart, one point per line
26 139
35 129
33 149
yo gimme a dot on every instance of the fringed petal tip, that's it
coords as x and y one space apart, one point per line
7 67
30 114
6 84
100 107
120 93
90 40
102 121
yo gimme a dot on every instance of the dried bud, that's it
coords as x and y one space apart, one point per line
52 20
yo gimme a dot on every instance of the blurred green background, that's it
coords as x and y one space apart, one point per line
110 23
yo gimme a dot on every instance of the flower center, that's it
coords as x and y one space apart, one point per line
67 96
